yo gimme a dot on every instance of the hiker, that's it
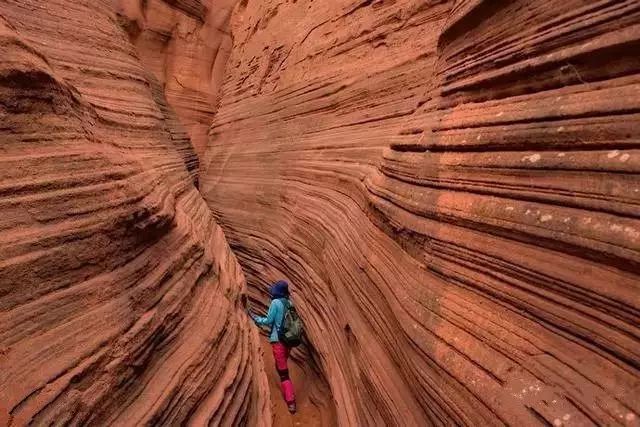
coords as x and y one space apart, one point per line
280 305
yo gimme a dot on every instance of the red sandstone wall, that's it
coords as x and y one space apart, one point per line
119 296
452 188
185 44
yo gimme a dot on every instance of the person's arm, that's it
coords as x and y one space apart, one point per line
269 319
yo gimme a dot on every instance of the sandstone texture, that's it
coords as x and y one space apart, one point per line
185 45
120 301
452 188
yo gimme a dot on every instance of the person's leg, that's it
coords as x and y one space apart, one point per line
280 354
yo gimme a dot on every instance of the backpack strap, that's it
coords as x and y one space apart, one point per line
286 305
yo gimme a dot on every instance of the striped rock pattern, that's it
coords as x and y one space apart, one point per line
453 189
120 301
185 45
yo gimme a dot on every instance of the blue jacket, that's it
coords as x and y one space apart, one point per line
273 319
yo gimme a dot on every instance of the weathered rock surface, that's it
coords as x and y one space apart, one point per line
185 44
119 296
453 189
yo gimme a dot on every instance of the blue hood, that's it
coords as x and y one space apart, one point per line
280 289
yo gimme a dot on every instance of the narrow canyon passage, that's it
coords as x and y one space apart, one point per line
451 187
314 399
315 402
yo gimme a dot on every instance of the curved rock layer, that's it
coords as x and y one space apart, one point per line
120 301
452 187
185 44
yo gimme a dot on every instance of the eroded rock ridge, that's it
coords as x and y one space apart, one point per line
120 301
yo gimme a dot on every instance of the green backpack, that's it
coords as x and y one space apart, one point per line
290 331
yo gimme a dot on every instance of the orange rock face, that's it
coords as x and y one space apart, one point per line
120 301
452 188
185 44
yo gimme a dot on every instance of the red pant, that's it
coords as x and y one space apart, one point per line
281 354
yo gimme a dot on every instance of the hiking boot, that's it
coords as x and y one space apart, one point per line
292 407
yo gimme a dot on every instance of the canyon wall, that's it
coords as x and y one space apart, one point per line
120 301
185 45
452 189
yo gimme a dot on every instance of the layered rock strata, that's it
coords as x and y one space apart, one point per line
120 301
452 188
185 45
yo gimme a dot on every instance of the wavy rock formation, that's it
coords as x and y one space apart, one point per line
453 189
120 301
185 44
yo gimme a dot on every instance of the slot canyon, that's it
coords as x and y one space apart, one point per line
451 188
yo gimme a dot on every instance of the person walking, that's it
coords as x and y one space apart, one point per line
274 319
